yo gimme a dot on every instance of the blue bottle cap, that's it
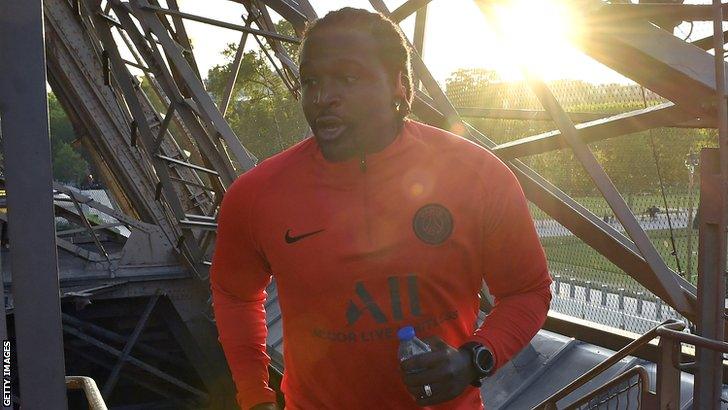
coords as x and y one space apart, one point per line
406 333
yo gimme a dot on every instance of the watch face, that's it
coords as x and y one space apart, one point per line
483 359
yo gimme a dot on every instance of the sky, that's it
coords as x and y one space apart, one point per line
457 36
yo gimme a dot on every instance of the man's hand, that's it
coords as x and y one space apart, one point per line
265 406
446 370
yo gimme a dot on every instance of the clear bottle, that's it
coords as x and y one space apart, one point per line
409 344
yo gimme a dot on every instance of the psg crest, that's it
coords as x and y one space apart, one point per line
432 224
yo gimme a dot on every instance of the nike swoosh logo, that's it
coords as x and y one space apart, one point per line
292 239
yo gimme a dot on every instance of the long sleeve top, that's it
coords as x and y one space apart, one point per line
358 254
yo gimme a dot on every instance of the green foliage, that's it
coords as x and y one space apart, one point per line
629 160
262 112
94 219
586 263
60 126
68 163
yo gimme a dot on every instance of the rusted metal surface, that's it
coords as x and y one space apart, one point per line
90 390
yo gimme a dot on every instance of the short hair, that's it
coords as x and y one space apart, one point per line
393 49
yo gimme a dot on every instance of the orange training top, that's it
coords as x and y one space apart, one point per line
358 254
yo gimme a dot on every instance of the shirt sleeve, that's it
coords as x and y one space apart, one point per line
515 268
238 278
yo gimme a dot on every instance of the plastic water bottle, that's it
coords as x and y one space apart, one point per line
409 344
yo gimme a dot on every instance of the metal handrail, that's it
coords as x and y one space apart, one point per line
88 385
695 340
669 329
628 375
550 402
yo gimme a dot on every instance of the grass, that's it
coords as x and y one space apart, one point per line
638 204
571 254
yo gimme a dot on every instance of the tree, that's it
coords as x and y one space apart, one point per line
60 126
263 112
69 164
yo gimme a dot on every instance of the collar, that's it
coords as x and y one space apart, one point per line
378 163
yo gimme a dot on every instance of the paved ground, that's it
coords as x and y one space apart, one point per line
551 228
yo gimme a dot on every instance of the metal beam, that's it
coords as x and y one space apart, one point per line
189 122
418 42
522 114
711 281
187 164
289 74
125 81
406 9
706 43
208 110
297 16
621 124
182 38
223 24
667 384
71 62
99 331
664 277
130 343
651 11
577 117
307 9
172 397
187 319
168 91
661 62
29 175
136 362
713 212
89 228
235 68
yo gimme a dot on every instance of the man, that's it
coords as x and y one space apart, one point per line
376 223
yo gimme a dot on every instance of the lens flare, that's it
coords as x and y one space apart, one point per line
536 34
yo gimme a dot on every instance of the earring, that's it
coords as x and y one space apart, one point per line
397 104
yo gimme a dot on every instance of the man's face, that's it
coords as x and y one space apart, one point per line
348 94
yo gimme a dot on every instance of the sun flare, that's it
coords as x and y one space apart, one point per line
532 33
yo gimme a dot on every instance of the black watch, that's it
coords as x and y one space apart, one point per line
482 360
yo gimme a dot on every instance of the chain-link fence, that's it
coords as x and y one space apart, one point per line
624 392
656 172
